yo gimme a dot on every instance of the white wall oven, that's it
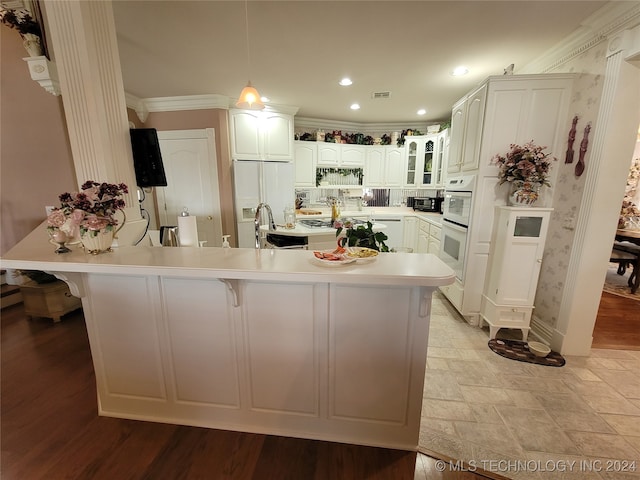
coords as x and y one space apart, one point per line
456 214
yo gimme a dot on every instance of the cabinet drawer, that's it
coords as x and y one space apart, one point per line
424 226
434 231
506 316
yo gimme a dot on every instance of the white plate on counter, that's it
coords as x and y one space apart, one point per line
332 260
361 254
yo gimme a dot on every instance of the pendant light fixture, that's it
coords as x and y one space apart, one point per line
249 97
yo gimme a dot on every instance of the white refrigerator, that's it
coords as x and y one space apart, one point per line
258 182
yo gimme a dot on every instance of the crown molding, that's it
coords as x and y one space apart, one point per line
610 19
143 106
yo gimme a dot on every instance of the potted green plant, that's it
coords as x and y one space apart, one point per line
360 236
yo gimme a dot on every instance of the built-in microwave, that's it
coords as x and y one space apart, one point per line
427 204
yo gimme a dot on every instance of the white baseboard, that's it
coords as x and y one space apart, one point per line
541 331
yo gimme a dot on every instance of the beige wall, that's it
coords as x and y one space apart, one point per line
35 156
36 163
199 119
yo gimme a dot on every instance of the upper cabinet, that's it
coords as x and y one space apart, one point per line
305 155
259 135
384 166
425 156
503 110
466 130
340 155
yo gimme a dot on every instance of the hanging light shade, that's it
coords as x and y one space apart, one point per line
249 97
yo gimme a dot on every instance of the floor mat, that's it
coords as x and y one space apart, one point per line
516 350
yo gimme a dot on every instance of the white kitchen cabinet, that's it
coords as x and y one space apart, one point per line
473 129
428 240
458 116
259 135
374 167
340 155
352 155
515 258
466 131
305 156
442 156
423 236
394 166
422 161
434 239
329 154
505 109
384 166
410 228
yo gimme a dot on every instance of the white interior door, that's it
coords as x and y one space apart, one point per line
189 158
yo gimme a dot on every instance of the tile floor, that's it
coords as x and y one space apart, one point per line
527 421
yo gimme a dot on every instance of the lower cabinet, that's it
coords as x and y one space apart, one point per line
428 237
310 360
410 238
434 239
515 259
423 236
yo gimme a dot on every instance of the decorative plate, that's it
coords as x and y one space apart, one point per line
330 259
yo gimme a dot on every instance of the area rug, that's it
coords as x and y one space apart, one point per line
516 350
617 284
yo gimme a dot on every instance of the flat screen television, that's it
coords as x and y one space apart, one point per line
147 159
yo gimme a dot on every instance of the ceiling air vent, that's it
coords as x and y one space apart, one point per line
377 95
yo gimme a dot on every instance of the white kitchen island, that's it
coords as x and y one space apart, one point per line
263 341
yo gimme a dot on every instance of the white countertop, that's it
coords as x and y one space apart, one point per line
36 253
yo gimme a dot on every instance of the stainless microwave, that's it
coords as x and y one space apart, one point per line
427 204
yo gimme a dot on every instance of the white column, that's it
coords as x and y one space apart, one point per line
83 40
609 156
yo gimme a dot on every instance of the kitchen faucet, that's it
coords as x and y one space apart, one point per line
256 221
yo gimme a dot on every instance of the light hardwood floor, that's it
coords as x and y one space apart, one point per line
618 323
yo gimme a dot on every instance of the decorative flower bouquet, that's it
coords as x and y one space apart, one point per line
526 167
20 20
629 212
360 236
90 210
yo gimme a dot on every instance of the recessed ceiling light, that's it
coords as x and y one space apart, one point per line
461 70
345 82
422 111
355 106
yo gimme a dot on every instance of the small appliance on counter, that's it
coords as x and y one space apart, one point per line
427 204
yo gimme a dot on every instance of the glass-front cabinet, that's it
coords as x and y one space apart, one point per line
423 168
427 169
410 179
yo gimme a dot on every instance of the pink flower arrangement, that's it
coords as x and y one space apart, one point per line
527 163
89 210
